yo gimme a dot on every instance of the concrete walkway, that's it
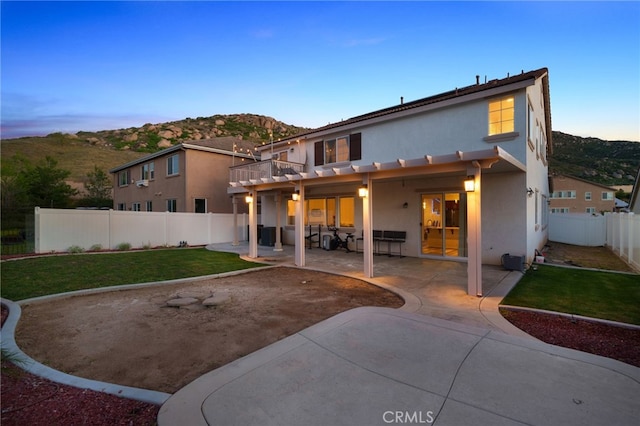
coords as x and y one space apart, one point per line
444 358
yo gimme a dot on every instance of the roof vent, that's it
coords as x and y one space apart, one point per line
401 100
477 80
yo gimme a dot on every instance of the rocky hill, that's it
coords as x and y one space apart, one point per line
153 137
596 160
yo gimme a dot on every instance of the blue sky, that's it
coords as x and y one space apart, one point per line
70 66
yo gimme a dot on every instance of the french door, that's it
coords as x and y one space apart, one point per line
444 224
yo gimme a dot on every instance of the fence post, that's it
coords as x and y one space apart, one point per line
632 236
36 229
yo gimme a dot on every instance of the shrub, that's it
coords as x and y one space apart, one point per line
123 246
96 247
75 249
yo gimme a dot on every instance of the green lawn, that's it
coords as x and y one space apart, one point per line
594 294
32 277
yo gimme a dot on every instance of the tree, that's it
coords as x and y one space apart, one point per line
98 187
44 185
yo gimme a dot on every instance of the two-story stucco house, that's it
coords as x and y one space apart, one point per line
574 195
463 175
188 177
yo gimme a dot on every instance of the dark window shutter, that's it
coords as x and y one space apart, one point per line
319 153
355 146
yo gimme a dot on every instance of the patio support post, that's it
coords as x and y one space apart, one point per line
234 202
474 239
253 224
367 234
278 244
299 229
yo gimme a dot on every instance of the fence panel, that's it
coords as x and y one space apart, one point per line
578 229
623 236
59 229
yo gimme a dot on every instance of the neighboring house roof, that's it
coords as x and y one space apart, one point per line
228 145
453 94
585 181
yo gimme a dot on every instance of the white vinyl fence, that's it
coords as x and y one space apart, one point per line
623 236
57 230
619 231
580 229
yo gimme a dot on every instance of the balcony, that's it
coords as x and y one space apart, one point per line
263 171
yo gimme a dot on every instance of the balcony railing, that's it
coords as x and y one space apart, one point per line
264 169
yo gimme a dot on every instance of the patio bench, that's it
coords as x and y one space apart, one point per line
394 237
388 237
309 238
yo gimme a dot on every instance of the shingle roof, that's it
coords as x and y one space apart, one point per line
226 144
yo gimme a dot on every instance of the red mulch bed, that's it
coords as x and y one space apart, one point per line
619 343
31 400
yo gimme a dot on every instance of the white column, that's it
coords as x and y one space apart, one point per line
474 239
234 202
367 224
299 230
278 245
253 225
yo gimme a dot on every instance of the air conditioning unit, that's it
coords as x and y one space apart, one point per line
143 182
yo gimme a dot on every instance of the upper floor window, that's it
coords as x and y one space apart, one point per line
607 195
148 171
564 194
123 178
343 148
173 167
560 210
587 196
501 115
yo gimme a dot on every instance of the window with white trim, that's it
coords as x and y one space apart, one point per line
587 196
560 210
326 212
173 165
121 206
501 115
607 195
148 171
339 149
590 210
172 205
564 194
149 206
135 207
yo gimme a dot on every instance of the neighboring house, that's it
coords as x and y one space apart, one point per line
575 195
634 202
188 177
409 163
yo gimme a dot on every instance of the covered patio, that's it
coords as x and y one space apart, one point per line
436 288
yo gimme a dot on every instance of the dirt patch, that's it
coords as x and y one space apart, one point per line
585 257
133 338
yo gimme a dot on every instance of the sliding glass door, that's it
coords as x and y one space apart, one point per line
444 219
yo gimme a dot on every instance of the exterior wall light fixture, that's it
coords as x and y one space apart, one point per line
529 192
363 191
295 196
470 184
248 199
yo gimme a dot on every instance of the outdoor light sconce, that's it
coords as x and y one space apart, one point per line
470 184
529 192
295 196
248 199
405 205
363 191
